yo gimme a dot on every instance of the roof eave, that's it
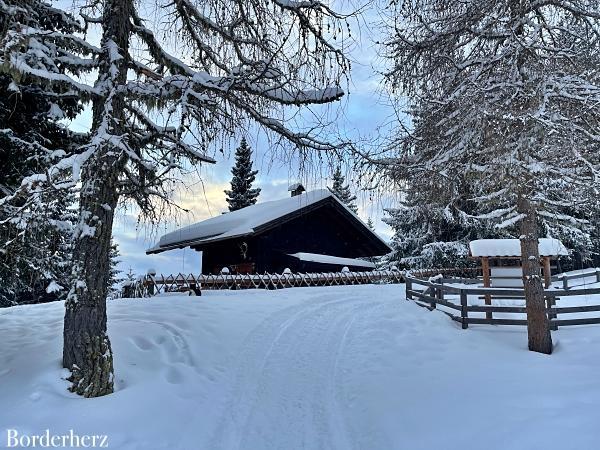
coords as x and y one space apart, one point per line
194 243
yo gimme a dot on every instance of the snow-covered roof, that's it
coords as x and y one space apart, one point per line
512 247
295 186
327 259
242 222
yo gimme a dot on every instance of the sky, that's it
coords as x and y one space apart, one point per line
359 117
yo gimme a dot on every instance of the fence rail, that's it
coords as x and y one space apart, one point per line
565 278
455 298
152 285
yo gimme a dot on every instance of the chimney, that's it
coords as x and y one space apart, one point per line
296 189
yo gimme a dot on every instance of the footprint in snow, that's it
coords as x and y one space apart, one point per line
142 343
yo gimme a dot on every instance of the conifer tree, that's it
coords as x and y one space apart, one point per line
242 194
503 94
35 232
155 113
116 274
342 191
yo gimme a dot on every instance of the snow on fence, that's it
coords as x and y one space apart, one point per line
433 293
152 285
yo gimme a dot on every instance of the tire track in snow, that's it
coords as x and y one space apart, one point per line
289 395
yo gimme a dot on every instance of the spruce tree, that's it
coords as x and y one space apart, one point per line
433 225
433 231
35 232
116 275
242 194
342 191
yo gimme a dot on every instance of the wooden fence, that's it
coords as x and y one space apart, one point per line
152 285
566 278
458 272
435 293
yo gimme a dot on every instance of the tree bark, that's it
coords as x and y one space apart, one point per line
538 325
87 351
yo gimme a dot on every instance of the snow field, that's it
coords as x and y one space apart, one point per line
346 367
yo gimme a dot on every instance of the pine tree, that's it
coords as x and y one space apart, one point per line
242 194
503 94
154 114
342 191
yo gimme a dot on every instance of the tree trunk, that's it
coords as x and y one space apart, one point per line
87 351
538 326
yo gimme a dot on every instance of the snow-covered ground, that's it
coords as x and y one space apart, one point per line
348 367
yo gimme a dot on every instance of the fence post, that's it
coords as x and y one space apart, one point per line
565 282
550 302
408 289
464 312
436 294
597 275
150 284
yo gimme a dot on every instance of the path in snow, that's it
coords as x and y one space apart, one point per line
288 373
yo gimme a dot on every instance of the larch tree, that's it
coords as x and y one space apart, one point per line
504 94
242 193
342 190
154 113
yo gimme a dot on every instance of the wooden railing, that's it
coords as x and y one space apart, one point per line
159 284
565 278
459 272
437 293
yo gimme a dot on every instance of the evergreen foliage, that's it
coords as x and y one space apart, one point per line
116 275
35 232
433 226
241 193
342 191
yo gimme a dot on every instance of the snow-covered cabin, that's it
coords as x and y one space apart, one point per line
501 259
308 232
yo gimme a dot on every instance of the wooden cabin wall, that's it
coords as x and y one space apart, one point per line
228 253
324 231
